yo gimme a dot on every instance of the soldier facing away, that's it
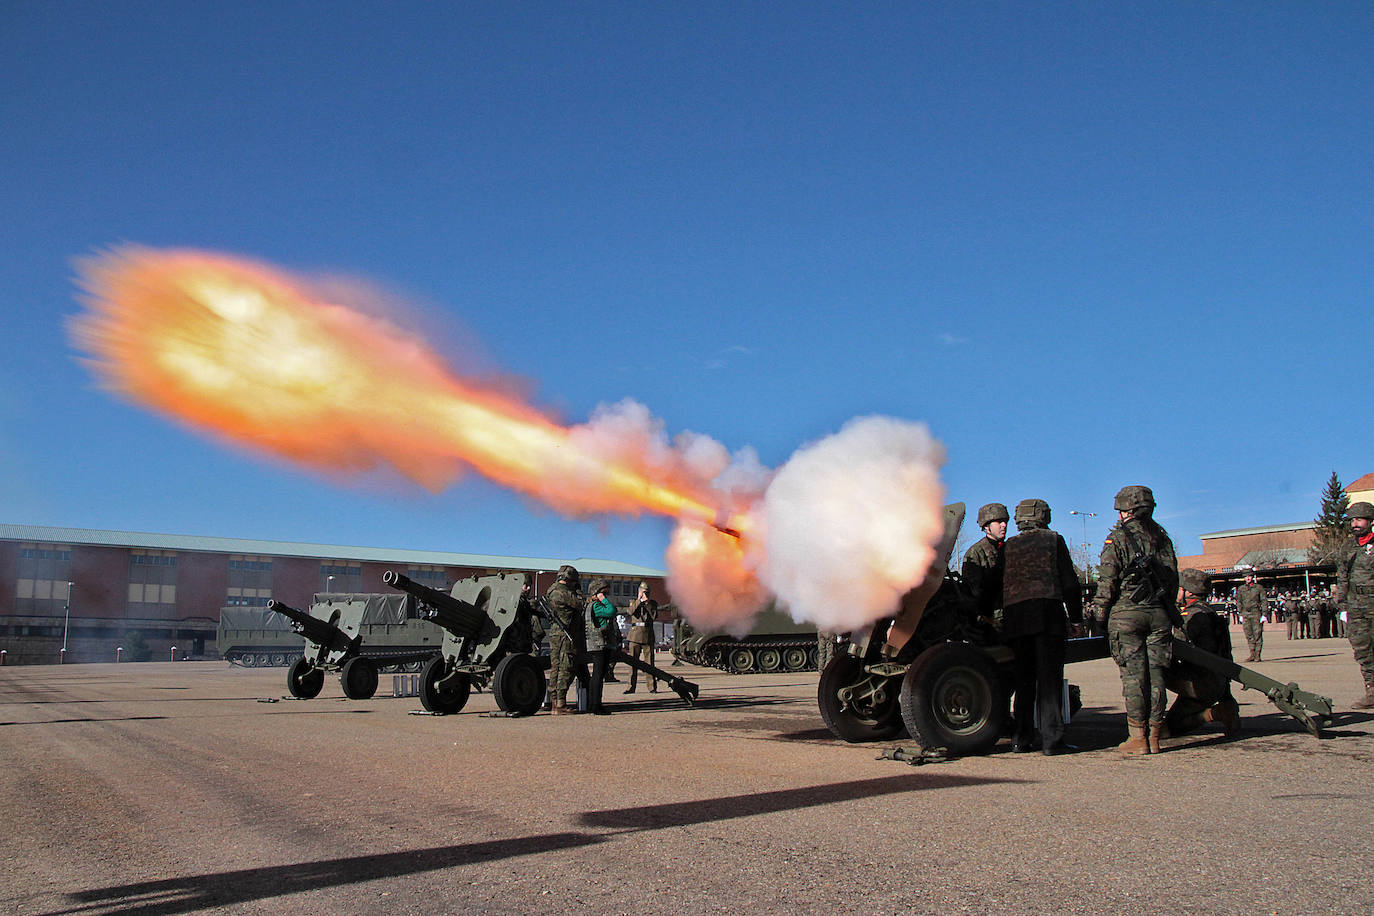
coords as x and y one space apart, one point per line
1038 586
1355 595
1136 590
1251 599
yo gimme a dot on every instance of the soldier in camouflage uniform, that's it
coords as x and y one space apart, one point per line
1313 609
984 561
1251 600
1203 696
566 641
1040 583
1136 589
1355 595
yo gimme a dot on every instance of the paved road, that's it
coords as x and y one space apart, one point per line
171 788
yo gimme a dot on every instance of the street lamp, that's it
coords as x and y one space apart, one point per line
1084 516
537 574
66 619
329 585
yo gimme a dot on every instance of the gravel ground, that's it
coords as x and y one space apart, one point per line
174 788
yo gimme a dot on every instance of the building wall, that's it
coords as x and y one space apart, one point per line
167 598
1225 552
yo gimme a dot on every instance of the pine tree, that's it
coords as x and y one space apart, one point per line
1333 525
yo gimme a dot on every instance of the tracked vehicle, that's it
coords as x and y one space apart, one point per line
775 643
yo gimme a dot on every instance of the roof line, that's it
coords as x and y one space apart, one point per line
193 542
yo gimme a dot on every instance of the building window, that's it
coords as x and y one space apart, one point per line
340 577
43 573
152 581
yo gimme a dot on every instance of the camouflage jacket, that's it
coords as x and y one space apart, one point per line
1251 599
984 564
1118 587
1207 628
1040 582
1355 578
566 605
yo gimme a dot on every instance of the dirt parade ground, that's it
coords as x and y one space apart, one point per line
194 787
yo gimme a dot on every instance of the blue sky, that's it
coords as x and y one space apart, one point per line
1088 244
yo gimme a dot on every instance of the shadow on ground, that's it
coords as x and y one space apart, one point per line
223 889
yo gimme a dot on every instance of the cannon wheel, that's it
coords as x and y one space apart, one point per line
952 697
873 713
794 658
304 680
770 660
518 684
359 678
446 699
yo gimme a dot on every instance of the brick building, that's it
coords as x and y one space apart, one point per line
95 590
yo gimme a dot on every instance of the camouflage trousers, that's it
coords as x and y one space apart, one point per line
1141 640
825 649
1359 629
562 653
1254 634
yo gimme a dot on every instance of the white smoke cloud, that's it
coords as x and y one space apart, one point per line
846 527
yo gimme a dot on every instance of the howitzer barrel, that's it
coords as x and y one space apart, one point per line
312 628
453 614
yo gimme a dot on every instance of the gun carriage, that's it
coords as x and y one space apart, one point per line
937 671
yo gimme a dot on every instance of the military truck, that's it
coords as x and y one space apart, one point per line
353 634
937 671
774 643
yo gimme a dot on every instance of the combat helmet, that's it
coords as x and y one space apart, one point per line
1134 498
1032 513
1361 510
598 585
569 575
1194 581
992 512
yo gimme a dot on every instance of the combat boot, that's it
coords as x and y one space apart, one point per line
560 708
1137 745
1226 713
1367 701
1158 730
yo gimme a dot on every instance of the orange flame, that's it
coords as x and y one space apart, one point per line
250 353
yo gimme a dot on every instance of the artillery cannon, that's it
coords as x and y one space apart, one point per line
938 671
334 629
487 628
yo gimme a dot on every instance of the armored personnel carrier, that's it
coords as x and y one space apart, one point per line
775 643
